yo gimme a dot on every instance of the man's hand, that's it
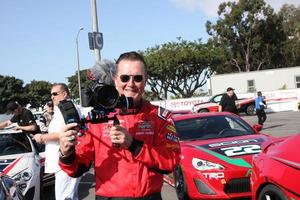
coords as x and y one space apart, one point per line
68 139
38 138
17 128
119 135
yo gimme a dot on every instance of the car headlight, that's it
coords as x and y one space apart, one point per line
205 165
23 176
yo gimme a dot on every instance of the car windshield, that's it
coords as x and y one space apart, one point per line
14 143
209 127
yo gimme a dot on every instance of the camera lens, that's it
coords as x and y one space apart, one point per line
106 95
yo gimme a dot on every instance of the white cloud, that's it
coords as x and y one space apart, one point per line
210 7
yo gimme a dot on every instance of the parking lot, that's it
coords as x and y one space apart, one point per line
277 124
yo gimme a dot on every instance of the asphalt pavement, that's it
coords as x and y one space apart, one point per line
277 124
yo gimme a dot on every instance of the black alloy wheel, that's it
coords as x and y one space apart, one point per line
250 110
271 192
180 184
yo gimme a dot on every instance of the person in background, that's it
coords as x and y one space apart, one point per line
66 187
228 102
22 116
47 116
149 146
260 105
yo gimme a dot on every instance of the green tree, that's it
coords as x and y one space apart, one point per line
178 68
73 83
250 33
291 24
11 90
38 92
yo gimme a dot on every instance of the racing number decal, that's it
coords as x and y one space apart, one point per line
241 150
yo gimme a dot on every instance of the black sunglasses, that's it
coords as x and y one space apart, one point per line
137 78
55 93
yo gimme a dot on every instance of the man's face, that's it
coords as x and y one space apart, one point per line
57 94
130 79
230 93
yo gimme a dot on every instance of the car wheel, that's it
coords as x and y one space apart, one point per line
250 110
271 192
203 111
180 184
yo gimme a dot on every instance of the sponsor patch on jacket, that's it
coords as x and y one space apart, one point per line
144 128
163 113
172 137
171 128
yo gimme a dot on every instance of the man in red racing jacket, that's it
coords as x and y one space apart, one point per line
149 145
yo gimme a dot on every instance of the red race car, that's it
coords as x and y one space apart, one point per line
246 105
276 170
216 156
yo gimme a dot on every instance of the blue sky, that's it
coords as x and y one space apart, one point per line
38 37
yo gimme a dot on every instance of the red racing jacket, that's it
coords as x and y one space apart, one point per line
133 172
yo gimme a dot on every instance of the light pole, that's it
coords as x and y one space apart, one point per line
78 66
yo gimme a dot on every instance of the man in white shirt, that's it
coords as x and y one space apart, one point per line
66 188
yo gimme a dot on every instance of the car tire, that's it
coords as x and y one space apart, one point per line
180 184
250 110
203 111
271 192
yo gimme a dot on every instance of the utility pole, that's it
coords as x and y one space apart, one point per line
95 27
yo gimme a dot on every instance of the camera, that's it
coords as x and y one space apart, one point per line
103 99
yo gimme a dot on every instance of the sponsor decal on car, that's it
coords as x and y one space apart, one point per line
214 175
233 161
236 147
228 143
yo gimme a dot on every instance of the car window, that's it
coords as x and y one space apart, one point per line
211 127
217 99
14 144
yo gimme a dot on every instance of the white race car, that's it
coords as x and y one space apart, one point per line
20 160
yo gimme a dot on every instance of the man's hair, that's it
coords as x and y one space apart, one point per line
11 106
132 56
259 93
63 87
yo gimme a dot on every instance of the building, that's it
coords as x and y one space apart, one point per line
263 80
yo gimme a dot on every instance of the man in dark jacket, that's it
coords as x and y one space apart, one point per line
227 103
23 117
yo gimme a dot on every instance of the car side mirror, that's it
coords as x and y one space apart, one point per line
257 127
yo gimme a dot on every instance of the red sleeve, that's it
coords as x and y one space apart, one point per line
163 155
78 163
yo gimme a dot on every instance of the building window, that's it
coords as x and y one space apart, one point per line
298 81
251 85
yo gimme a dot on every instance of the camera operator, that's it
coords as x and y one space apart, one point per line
148 143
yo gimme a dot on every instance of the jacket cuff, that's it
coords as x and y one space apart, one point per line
67 160
136 147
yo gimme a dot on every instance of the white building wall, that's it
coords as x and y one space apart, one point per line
265 80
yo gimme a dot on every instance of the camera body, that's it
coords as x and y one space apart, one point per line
103 99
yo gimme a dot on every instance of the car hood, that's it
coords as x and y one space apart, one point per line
236 151
13 164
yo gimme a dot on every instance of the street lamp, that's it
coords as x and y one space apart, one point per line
78 66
